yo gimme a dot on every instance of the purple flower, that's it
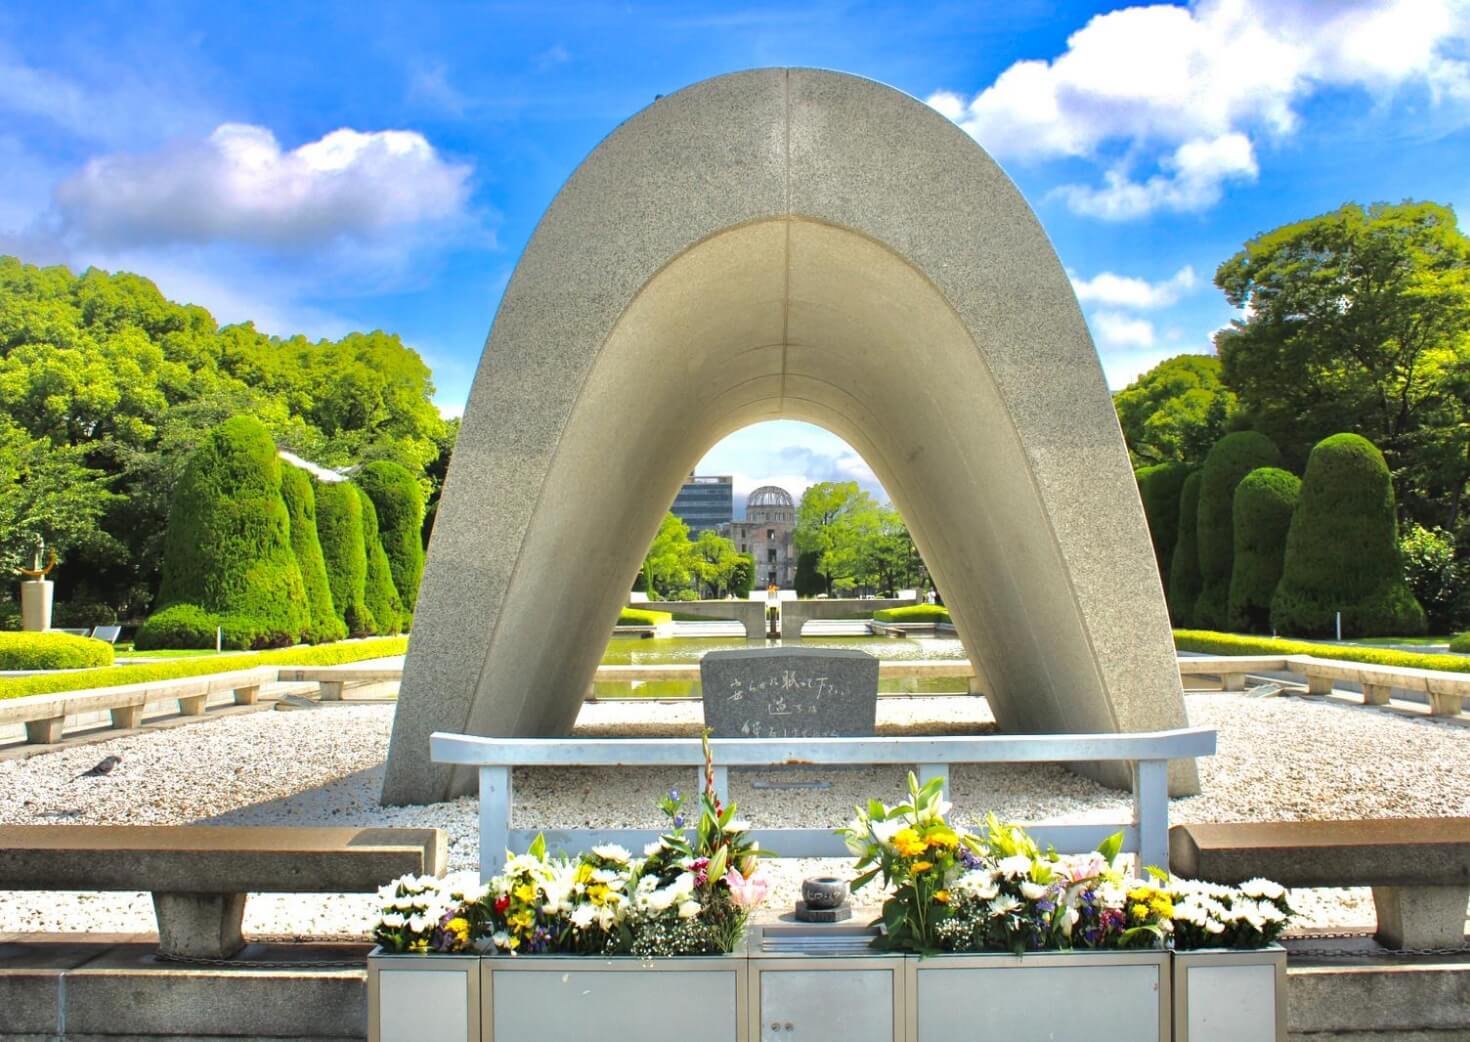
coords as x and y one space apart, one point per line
674 795
678 821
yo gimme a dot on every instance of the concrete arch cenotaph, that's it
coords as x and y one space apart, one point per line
809 245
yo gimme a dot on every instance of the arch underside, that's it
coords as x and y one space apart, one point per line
944 346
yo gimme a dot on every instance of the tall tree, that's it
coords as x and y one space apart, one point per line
1359 314
833 520
1176 411
669 563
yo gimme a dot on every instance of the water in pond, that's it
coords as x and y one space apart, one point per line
688 650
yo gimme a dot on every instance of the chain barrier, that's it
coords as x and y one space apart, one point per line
265 964
1374 952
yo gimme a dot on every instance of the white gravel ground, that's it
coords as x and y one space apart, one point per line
1279 758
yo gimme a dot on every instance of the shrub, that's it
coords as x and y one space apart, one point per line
643 617
228 544
1436 579
186 626
683 595
52 651
1233 457
1460 644
399 502
379 594
1184 582
913 613
82 680
323 626
1264 501
1208 643
344 553
9 614
1159 488
1342 552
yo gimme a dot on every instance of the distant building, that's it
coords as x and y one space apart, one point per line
765 534
705 502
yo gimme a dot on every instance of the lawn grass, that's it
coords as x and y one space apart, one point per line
170 653
111 676
1211 643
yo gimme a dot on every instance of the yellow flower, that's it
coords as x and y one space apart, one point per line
1140 911
521 920
942 896
920 867
584 873
525 892
597 893
941 837
460 927
908 843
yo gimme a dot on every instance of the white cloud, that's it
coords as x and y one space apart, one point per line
1129 292
1114 330
1193 87
238 185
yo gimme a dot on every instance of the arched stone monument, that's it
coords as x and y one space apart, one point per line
801 244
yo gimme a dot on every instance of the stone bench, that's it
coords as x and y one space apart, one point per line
1446 691
1233 669
45 716
199 874
330 680
1419 868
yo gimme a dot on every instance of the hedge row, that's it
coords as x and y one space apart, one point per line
1460 644
82 680
52 651
913 613
1210 643
644 617
1233 457
322 624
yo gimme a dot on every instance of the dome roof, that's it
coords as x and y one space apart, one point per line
770 496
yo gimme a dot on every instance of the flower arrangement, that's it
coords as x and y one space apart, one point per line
691 893
950 890
1208 915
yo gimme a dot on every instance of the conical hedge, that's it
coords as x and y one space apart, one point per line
1342 549
1184 584
344 552
228 549
1159 487
1264 501
379 594
1233 457
323 625
399 503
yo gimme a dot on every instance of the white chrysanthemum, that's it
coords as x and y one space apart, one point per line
684 885
978 883
612 852
392 920
661 900
1002 906
736 825
420 924
884 831
653 847
688 909
1014 866
1263 888
583 916
1032 891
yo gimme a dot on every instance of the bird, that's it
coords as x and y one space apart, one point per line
105 767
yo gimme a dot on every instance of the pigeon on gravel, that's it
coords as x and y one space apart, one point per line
105 767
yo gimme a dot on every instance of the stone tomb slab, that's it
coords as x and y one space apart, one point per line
790 693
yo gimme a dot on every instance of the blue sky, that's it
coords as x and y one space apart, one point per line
326 167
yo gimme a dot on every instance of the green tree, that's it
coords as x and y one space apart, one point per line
742 576
716 562
1176 411
669 563
888 558
344 553
1184 578
399 503
1233 457
808 581
1342 551
1359 313
1439 581
323 625
1159 487
380 596
46 492
1264 502
833 520
228 546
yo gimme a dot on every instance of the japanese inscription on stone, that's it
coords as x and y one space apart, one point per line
789 693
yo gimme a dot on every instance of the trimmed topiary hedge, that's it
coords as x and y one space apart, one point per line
344 553
1342 550
323 626
52 651
1159 488
399 503
228 545
643 617
83 680
379 594
913 613
1208 643
180 626
1184 581
1264 501
1233 457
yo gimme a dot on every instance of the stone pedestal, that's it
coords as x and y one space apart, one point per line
35 605
200 926
1421 916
